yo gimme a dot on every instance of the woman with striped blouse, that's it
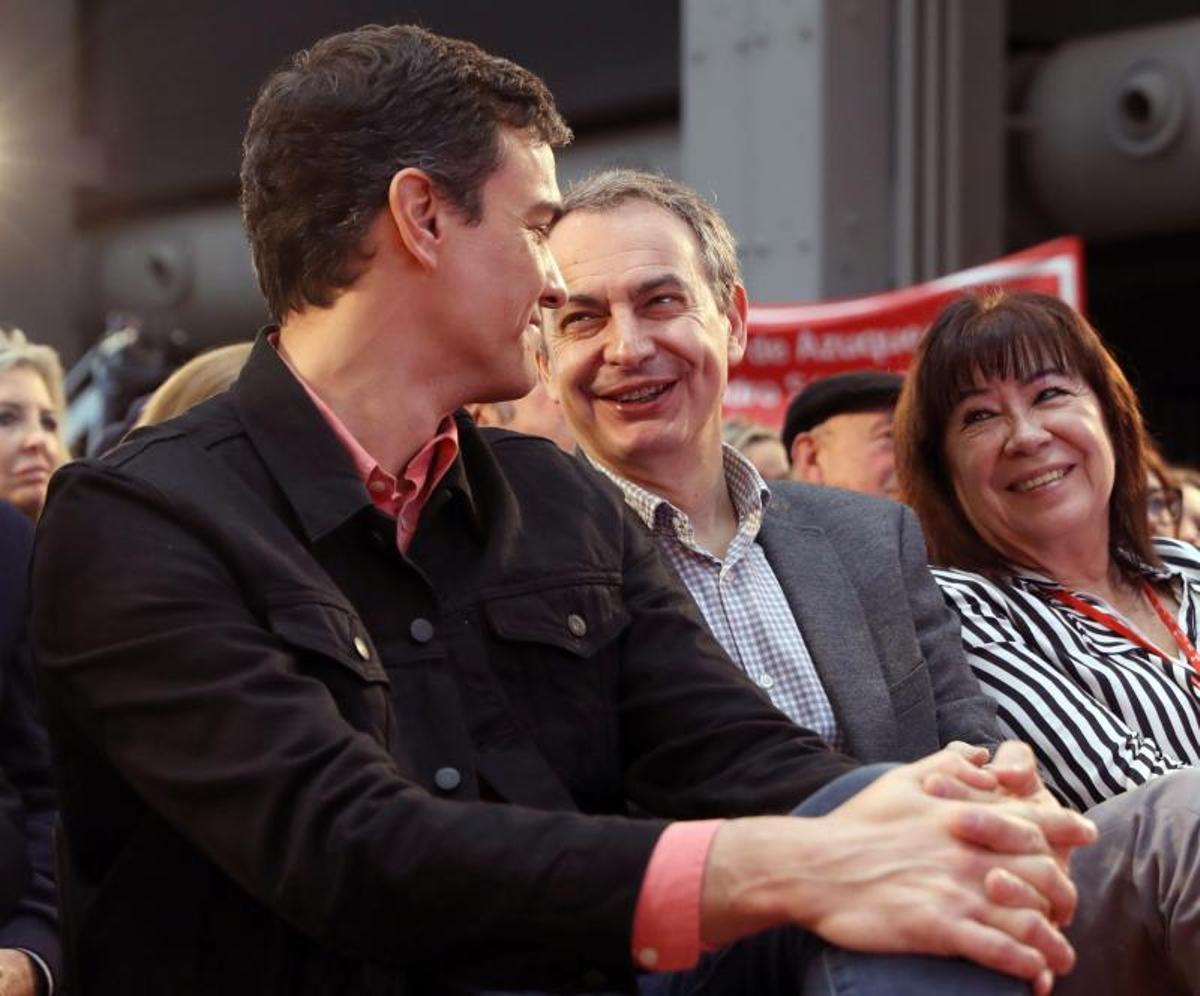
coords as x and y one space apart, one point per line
1021 447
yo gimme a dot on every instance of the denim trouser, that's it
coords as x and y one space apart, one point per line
787 960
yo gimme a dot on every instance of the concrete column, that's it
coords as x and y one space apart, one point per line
851 144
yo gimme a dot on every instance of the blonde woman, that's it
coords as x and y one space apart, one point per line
32 405
203 376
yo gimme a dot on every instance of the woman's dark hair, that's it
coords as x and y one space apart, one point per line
329 130
1001 334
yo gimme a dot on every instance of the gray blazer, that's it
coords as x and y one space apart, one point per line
853 568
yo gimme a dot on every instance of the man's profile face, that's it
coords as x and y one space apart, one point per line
853 450
639 355
499 272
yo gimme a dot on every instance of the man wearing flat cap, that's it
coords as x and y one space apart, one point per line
838 431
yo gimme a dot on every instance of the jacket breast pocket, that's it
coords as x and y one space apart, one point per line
331 645
557 651
579 619
911 691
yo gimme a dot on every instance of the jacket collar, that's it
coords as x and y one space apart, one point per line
298 446
304 455
473 453
747 490
832 619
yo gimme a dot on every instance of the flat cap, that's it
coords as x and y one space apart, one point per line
858 391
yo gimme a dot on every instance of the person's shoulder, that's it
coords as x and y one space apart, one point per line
960 574
973 594
16 536
157 459
13 522
520 450
823 496
517 444
1179 555
833 508
203 424
540 463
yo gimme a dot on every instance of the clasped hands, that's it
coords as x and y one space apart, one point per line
951 855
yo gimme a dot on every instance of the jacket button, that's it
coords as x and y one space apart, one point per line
447 779
577 625
421 630
361 648
594 979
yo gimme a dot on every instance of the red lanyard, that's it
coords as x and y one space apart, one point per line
1120 628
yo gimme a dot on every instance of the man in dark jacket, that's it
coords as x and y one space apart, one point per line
348 697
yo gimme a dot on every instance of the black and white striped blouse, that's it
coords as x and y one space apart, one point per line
1102 713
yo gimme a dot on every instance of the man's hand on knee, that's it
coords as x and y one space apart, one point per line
898 870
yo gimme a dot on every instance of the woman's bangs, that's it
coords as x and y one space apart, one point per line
1002 345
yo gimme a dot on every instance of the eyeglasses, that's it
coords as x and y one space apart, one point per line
1165 505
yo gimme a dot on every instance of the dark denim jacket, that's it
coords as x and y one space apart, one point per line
294 760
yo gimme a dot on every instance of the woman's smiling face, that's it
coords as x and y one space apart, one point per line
1032 464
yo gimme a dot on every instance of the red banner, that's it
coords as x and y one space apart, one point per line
791 345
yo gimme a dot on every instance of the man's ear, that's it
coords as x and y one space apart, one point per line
735 314
805 463
414 205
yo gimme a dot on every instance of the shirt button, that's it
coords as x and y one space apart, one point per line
577 625
361 648
421 630
647 957
377 486
765 681
447 779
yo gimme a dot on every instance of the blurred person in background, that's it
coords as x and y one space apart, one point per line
1189 520
759 445
1022 448
32 407
203 376
838 431
30 951
536 414
1164 497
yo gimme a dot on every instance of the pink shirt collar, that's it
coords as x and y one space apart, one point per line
401 496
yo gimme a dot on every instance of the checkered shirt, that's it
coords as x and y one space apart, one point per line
740 597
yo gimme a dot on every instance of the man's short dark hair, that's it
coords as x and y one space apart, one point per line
331 128
610 189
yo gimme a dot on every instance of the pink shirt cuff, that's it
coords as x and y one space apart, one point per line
666 923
